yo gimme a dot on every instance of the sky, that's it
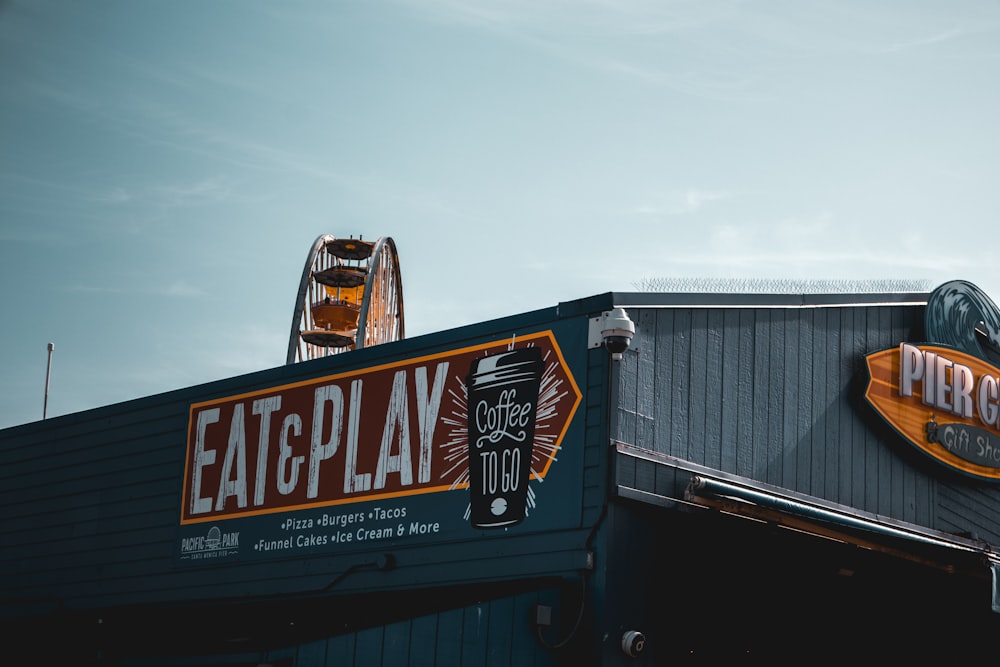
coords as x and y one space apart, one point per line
165 166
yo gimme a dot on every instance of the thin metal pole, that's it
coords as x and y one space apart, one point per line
48 374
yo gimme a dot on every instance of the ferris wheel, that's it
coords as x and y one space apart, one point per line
350 296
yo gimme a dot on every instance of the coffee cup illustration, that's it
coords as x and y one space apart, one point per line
503 400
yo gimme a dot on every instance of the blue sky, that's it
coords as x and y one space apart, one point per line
165 166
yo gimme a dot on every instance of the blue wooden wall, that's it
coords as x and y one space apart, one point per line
489 633
90 514
774 394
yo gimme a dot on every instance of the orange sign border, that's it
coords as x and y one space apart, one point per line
578 398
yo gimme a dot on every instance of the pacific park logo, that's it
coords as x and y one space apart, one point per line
943 396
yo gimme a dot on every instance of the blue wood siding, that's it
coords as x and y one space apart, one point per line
775 395
90 522
493 633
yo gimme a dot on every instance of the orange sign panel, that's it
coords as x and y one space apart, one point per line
393 430
943 401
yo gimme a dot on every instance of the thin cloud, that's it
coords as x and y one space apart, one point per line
187 194
945 36
553 28
693 83
79 288
164 126
683 203
114 197
180 289
27 234
587 17
65 97
177 289
804 245
169 195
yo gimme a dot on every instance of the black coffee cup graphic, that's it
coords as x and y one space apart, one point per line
503 400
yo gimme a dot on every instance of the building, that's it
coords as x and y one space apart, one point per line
757 477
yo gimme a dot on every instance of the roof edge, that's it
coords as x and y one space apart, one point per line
741 300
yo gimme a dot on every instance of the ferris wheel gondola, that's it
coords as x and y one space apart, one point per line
350 296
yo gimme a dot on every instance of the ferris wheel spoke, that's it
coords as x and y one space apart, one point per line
350 296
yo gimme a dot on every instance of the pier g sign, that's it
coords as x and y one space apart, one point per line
943 396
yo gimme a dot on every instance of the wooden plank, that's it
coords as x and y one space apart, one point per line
450 637
746 370
876 473
730 398
645 475
792 392
475 634
669 482
820 403
697 388
712 404
501 633
625 411
368 645
524 649
340 650
852 459
804 417
396 643
680 394
646 384
775 392
313 653
664 378
834 474
625 471
423 640
761 379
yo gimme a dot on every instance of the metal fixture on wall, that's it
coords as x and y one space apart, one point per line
614 330
633 643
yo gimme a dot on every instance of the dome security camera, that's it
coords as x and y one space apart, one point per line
617 332
633 643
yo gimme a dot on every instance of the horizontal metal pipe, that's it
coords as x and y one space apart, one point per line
700 485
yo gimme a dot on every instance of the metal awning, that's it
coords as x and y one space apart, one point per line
666 481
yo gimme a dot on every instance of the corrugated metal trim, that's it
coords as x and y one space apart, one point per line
714 300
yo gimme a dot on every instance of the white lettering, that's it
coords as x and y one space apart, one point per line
263 407
941 367
501 470
929 368
989 400
418 528
911 368
202 458
309 446
962 383
353 481
428 405
506 419
321 451
236 457
288 465
396 414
